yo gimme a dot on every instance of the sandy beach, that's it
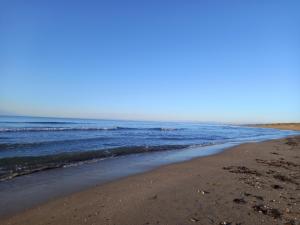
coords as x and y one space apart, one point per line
255 183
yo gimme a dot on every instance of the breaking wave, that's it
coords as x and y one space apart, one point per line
37 129
11 146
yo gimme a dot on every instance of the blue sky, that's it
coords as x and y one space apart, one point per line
224 61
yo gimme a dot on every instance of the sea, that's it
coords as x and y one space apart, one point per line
31 144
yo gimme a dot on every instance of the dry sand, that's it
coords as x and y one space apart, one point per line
256 183
282 126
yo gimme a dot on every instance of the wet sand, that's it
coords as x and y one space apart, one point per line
255 183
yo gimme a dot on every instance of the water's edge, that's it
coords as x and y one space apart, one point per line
32 190
18 166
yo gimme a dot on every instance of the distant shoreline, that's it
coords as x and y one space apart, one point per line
281 126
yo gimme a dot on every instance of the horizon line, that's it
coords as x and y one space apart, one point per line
146 120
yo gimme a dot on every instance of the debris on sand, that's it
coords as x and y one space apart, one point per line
154 197
229 223
291 142
202 191
193 219
247 194
242 170
284 178
276 186
278 163
252 181
275 153
258 197
274 213
260 208
239 201
290 222
270 172
225 223
255 196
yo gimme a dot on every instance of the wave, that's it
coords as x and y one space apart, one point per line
37 129
165 129
17 166
11 146
41 122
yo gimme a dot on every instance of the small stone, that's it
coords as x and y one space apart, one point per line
225 223
193 219
154 197
239 201
202 192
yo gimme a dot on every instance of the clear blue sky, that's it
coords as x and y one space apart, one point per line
226 61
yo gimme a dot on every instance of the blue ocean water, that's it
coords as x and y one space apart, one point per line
37 136
32 144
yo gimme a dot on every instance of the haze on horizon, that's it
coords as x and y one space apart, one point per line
222 61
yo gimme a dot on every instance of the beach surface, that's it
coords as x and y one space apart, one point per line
254 183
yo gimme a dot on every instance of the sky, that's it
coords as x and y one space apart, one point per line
204 60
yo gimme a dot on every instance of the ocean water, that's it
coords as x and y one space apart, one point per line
30 144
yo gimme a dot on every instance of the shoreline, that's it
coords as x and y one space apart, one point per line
193 187
51 179
33 164
280 126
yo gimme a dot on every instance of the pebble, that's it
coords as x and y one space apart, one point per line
202 192
193 219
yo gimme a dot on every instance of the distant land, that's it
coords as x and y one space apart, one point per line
282 126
